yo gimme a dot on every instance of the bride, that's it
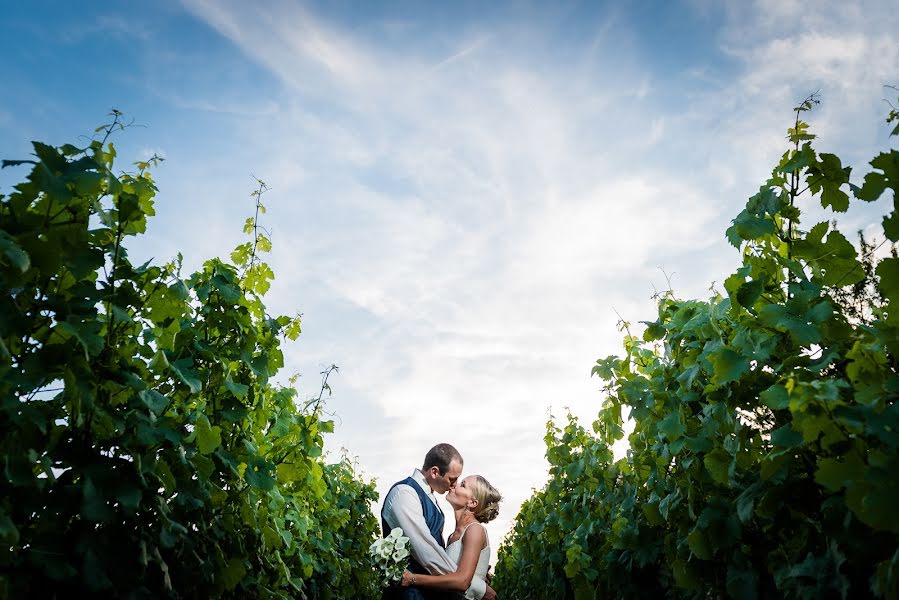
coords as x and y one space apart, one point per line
475 502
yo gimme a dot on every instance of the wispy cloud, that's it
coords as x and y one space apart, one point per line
105 24
461 202
457 215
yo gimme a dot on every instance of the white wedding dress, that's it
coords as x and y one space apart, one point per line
454 551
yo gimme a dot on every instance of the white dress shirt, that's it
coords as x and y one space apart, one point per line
402 508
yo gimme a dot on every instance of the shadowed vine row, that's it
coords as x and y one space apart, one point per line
764 462
146 451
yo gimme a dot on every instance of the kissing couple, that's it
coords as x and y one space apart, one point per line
437 570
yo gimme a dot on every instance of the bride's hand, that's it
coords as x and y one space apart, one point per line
408 578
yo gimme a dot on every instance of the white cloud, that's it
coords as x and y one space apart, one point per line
457 217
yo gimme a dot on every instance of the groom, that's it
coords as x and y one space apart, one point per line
412 505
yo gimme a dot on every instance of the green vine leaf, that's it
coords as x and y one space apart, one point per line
209 437
718 463
728 365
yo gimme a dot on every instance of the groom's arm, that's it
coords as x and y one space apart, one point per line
402 508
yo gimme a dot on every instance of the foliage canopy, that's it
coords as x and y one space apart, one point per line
765 456
146 451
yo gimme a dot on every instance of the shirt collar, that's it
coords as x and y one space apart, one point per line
419 478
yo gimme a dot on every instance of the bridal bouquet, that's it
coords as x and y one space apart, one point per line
391 556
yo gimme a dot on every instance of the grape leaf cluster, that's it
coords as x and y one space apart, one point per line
764 462
146 452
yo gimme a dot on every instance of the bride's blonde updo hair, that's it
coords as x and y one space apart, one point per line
488 498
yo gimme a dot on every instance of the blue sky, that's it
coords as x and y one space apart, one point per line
462 194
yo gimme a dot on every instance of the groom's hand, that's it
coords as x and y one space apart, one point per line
490 594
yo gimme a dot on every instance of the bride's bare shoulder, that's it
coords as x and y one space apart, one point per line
476 535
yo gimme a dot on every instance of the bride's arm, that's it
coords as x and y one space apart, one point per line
472 543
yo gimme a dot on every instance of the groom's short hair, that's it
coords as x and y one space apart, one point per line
441 456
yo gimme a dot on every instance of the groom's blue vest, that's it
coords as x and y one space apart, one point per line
433 519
